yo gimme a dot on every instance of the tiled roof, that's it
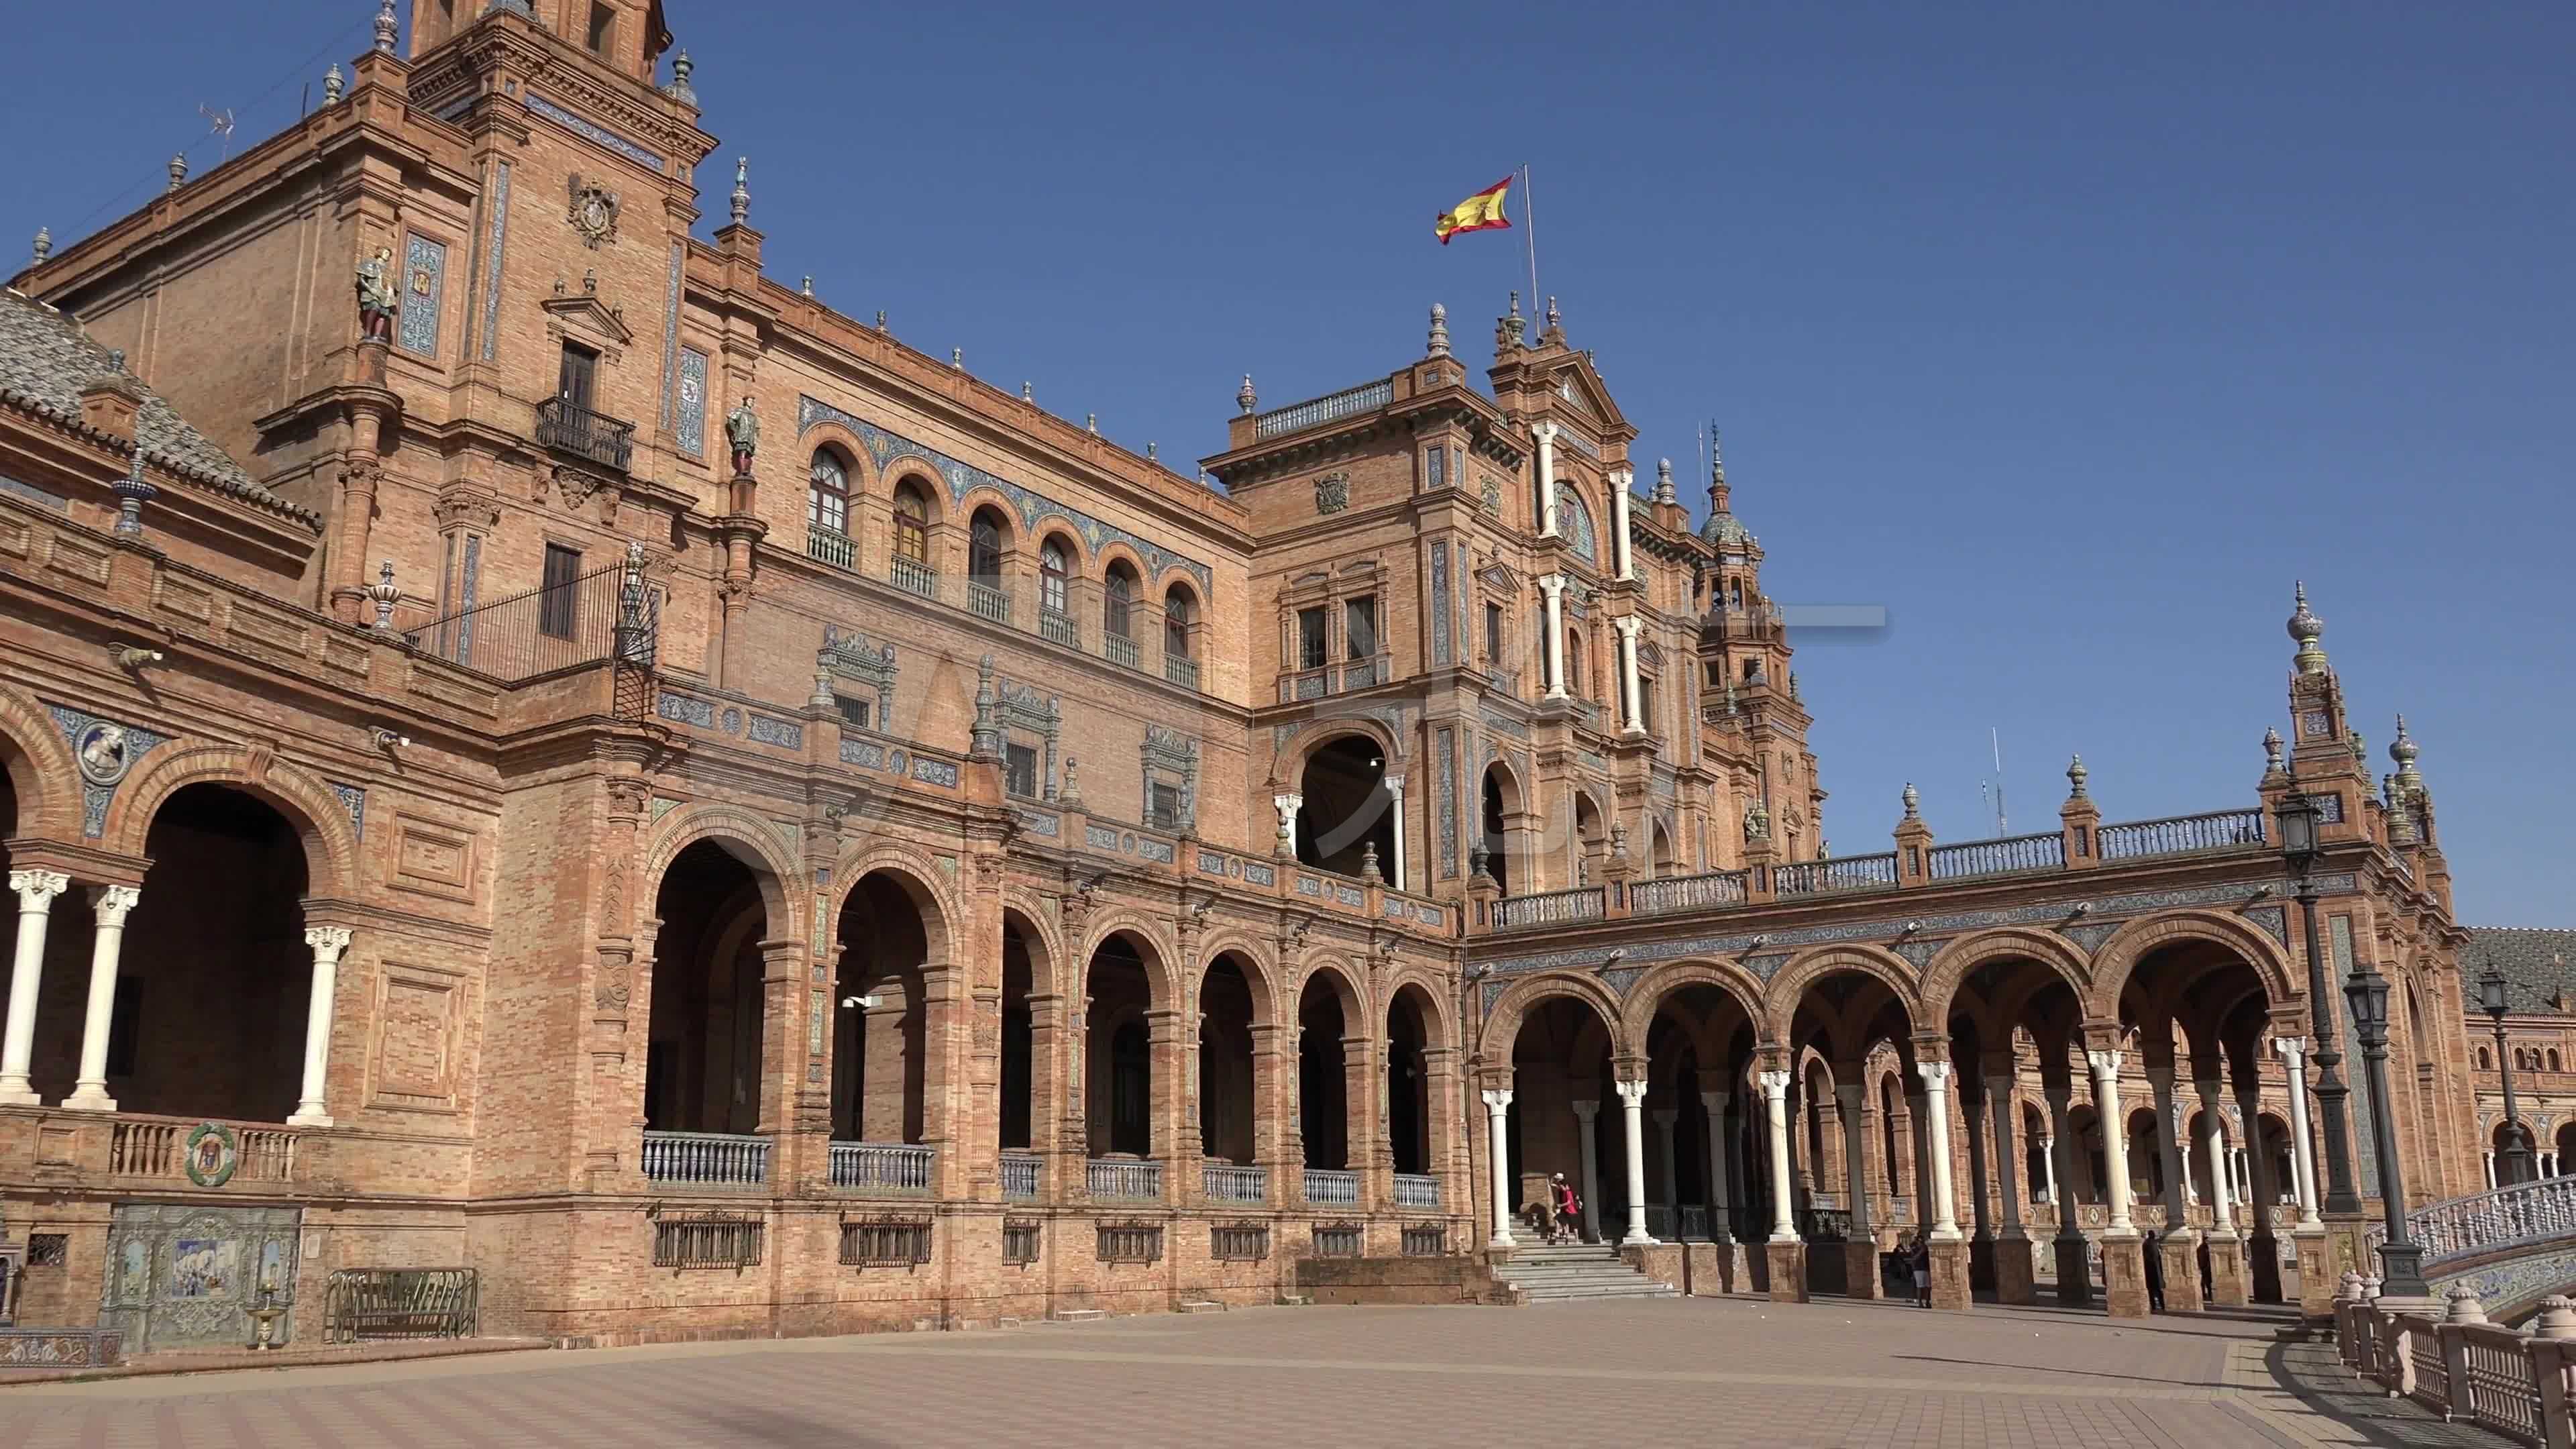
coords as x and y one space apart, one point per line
2538 961
45 361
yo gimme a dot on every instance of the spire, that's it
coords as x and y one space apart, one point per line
679 89
1555 331
2403 750
1913 802
332 85
386 27
2272 767
1246 398
1722 529
44 244
1439 330
178 171
2076 775
1664 480
742 191
2306 628
1507 328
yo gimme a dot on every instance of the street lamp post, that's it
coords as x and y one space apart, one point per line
2298 816
2513 1164
2401 1261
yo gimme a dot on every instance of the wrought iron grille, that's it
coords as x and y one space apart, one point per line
892 1244
1337 1240
1020 1242
711 1240
1238 1242
1131 1243
379 1303
1428 1241
567 428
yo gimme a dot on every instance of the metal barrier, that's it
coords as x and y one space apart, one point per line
381 1303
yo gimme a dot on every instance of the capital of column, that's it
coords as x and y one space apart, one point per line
2103 1063
1715 1102
1631 1093
327 942
2160 1078
1935 1075
1544 432
1999 1088
1586 1109
111 903
2291 1049
1626 624
1394 785
36 889
1775 1085
1551 585
1497 1101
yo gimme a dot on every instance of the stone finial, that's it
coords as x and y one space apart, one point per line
2272 752
1507 328
2076 775
742 191
1439 330
805 289
823 696
2360 752
1245 398
1071 798
116 361
1794 696
178 171
2557 1317
1757 821
1479 863
1555 324
386 27
2306 628
1091 424
2350 1291
1027 395
2464 1305
131 494
881 325
386 593
957 358
1153 451
1368 864
2403 750
987 736
1913 802
1664 480
679 89
333 83
44 244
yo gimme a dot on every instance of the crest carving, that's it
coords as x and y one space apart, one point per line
1332 493
593 212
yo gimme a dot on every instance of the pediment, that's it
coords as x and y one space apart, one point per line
583 314
1579 389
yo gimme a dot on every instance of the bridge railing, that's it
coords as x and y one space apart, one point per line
2454 1362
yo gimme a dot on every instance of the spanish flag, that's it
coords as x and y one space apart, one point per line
1480 212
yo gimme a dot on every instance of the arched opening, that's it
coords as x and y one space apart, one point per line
1118 603
987 537
1697 1116
912 536
1661 859
1590 841
1119 1107
1323 1079
880 1074
2565 1143
1408 1080
1496 827
1347 813
827 497
1180 616
1227 1092
1020 1101
2486 1063
1055 589
703 1057
1558 1118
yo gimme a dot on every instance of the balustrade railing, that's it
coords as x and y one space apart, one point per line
1119 649
160 1147
1999 857
1550 908
1416 1190
1228 1182
1057 627
2429 1372
914 576
2183 834
1019 1176
706 1159
1326 1187
607 441
1297 417
882 1167
1686 893
1846 873
1182 670
2492 1383
990 603
1122 1178
2528 1212
825 546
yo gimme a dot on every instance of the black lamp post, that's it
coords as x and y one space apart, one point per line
2513 1164
2298 816
2401 1261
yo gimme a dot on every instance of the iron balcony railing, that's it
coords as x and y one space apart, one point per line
1227 1182
1583 903
914 576
706 1159
604 614
1297 417
1330 1187
1019 1176
988 601
1686 892
567 428
1822 877
1999 857
2183 834
1122 1178
1416 1190
882 1167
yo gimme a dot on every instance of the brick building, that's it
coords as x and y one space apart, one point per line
578 761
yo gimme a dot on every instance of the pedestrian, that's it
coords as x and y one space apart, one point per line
2155 1274
1543 1211
1569 1208
1921 1262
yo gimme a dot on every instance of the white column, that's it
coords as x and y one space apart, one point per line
1287 805
1545 433
1553 585
1632 1099
1620 481
1395 787
1715 1102
109 904
2115 1138
2009 1167
1936 1132
1849 1097
2213 1151
1631 710
2489 1158
327 943
1499 1151
35 890
1775 1108
2303 1168
2176 1163
1585 1113
2048 1170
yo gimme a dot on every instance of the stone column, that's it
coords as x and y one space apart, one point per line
2488 1159
1718 1228
327 943
1395 789
35 890
1949 1248
2227 1284
2178 1251
2303 1166
2074 1258
1585 1113
1981 1236
1665 1120
1786 1253
1631 717
110 905
1632 1098
2124 1272
1860 1247
1497 1103
1553 585
1287 805
2013 1266
1915 1116
1621 480
1545 434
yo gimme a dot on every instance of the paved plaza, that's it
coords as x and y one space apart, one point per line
1674 1372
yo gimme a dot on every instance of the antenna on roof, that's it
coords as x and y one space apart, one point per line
222 125
1995 737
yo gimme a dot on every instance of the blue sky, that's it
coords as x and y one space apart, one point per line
2071 334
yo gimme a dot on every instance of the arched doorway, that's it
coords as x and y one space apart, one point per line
1347 817
1021 1104
1591 841
1563 1104
1853 1038
880 1071
1228 1094
703 1064
1409 1104
1119 1075
1501 798
1698 1047
1325 1044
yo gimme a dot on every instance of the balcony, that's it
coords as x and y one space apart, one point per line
705 1159
1416 1190
1999 857
1367 397
1119 649
1824 877
914 576
1328 679
1019 1176
1225 1182
596 437
2183 834
1123 1179
1686 893
883 1168
157 1147
825 546
1182 670
1328 1187
988 601
1057 627
1583 903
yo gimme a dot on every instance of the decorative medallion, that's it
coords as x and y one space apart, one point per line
593 212
1332 493
2314 724
214 1154
104 753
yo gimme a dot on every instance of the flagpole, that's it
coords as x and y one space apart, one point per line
1529 229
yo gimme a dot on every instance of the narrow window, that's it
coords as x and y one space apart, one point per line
603 29
1052 573
556 606
911 526
1020 770
984 550
1359 617
1164 812
827 499
1116 597
1310 638
854 712
1176 625
1646 705
1494 633
577 375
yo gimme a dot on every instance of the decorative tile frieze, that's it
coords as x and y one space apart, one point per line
866 754
500 206
424 291
1256 873
686 709
1042 822
786 734
934 772
1158 851
1100 837
597 135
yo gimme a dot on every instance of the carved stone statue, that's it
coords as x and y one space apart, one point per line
742 430
377 299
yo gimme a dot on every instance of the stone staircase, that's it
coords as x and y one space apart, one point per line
1565 1272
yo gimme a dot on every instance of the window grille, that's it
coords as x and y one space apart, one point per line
885 1244
1019 1242
1339 1240
48 1250
1131 1243
1428 1241
1238 1242
712 1240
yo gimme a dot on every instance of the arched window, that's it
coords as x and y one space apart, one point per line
911 526
1575 522
984 548
2485 1062
1177 618
1117 594
2553 1059
1054 568
827 497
